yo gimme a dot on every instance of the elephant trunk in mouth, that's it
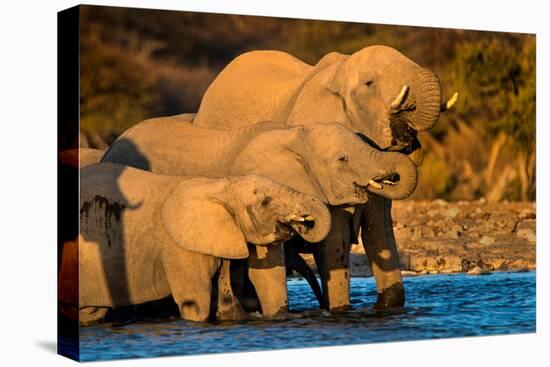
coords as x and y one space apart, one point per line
426 95
315 223
396 175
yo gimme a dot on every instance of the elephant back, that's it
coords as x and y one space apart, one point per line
255 86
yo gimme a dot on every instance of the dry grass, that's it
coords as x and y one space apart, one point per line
469 164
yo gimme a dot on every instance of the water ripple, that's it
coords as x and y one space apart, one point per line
438 306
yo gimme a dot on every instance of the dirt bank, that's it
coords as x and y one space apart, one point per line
450 237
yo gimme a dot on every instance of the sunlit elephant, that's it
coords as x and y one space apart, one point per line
378 93
144 236
327 161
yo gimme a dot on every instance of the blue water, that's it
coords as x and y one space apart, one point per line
437 306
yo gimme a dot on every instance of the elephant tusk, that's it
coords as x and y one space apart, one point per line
375 184
450 103
400 98
297 218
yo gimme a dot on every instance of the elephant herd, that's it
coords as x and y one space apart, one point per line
281 158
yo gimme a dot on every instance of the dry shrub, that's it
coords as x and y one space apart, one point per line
122 83
115 86
469 164
179 88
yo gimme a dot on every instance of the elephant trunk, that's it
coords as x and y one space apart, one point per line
395 175
426 91
316 219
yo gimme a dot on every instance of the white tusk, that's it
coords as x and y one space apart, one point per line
375 184
309 218
450 103
297 218
399 99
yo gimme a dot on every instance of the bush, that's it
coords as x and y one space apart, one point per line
115 87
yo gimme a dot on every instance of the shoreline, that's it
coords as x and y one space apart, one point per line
475 237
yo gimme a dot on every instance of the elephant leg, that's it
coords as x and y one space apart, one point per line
91 315
190 277
294 261
267 273
381 249
333 262
228 307
242 286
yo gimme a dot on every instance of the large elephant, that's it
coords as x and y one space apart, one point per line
378 93
144 236
327 161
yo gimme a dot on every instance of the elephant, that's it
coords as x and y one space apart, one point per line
145 236
68 163
378 93
326 161
81 157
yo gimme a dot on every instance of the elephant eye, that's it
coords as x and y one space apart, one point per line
343 158
265 202
368 83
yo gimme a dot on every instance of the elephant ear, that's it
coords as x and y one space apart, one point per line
329 59
203 225
339 76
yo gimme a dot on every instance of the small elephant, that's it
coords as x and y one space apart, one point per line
376 92
144 236
327 161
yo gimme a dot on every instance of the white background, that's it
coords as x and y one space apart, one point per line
28 182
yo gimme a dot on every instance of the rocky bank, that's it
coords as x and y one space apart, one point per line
466 236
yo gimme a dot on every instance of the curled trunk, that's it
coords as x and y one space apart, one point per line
399 168
426 92
317 229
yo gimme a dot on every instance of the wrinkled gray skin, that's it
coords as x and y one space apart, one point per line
378 93
326 161
144 236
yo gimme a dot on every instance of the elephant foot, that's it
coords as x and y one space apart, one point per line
234 313
340 309
191 310
267 272
92 315
226 305
250 303
392 297
281 314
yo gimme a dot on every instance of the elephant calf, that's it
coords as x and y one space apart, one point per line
144 236
327 161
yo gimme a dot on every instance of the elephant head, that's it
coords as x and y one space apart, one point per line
387 97
229 213
328 161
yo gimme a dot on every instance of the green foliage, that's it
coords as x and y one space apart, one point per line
496 82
